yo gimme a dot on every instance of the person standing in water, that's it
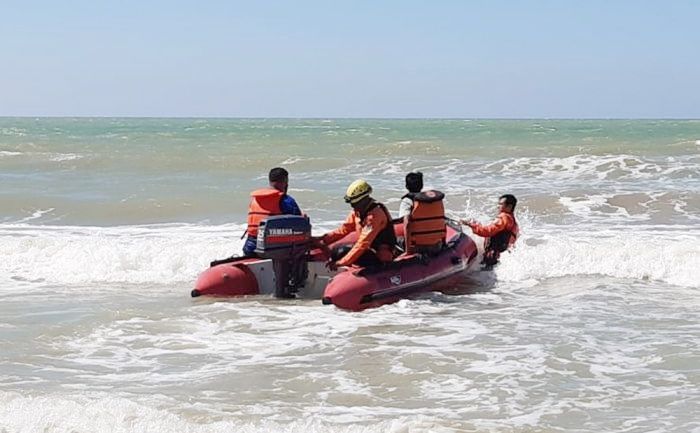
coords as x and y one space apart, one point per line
501 234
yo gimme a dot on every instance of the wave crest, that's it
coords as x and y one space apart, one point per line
670 257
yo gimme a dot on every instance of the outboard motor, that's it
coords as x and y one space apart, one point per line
286 240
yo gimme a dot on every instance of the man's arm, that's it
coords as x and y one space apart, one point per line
405 207
375 223
486 231
289 206
348 226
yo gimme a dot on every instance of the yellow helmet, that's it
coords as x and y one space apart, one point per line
357 191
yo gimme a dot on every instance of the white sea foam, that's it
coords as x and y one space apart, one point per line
599 173
60 157
170 254
98 414
495 359
10 153
36 215
592 167
130 254
636 254
292 160
17 132
54 157
584 206
301 190
598 208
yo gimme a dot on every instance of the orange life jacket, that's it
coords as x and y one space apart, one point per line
426 223
384 244
506 238
501 241
264 202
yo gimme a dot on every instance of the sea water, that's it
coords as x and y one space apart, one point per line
591 324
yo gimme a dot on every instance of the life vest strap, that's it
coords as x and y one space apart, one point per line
426 232
387 235
439 217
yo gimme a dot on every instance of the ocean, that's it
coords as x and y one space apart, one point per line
591 324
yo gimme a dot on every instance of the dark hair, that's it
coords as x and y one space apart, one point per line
414 181
278 174
510 200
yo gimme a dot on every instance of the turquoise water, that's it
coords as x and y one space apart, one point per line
590 324
112 171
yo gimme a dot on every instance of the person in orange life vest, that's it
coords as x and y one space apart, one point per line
371 220
268 202
501 234
423 216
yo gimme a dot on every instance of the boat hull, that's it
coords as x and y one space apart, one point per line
358 289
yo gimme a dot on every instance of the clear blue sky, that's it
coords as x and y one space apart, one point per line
330 58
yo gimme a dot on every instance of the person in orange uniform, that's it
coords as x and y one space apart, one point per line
267 202
376 240
501 234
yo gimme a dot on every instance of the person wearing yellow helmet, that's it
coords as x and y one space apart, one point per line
371 220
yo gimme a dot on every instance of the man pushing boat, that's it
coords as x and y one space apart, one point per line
501 234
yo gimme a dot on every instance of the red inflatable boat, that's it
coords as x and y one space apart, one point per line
357 288
289 268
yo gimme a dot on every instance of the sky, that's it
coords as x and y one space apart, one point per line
385 59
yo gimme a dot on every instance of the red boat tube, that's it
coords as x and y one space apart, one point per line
357 289
230 278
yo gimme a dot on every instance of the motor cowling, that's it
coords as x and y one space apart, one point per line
286 240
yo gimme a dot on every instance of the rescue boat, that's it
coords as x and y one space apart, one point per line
408 275
288 267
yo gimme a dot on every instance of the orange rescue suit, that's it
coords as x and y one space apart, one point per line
426 222
372 231
264 202
501 233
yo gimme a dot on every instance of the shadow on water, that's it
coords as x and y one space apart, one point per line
469 284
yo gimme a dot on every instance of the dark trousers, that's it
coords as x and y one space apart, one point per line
365 260
249 247
490 258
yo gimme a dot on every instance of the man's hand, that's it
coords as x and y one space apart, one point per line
317 242
470 222
332 265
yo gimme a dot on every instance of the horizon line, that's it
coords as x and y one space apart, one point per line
332 117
